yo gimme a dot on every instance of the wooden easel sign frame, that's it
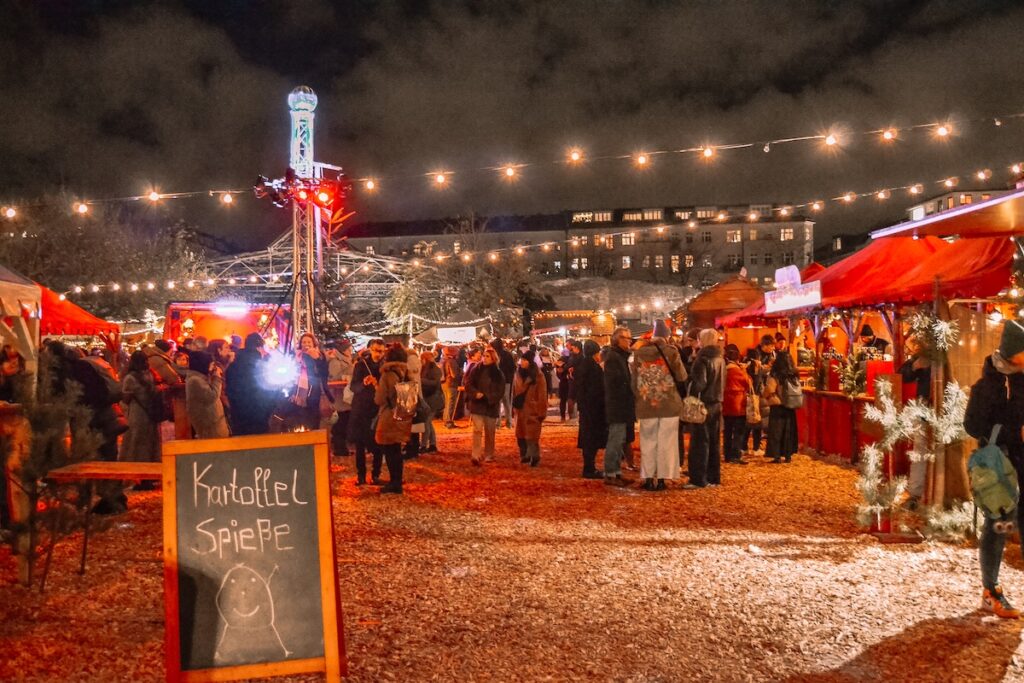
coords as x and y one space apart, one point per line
250 577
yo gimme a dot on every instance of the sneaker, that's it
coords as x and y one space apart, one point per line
994 601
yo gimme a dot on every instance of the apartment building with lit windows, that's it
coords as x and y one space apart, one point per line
693 245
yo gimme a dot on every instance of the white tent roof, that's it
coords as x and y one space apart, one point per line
17 291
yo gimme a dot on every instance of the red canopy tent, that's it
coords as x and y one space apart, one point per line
61 317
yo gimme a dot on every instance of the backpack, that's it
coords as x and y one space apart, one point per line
792 394
407 400
993 479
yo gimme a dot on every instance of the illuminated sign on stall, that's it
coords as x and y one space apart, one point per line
790 293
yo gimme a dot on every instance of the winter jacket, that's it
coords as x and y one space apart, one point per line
589 379
430 381
363 405
708 379
390 430
316 375
339 369
486 380
141 443
205 410
101 392
759 373
506 363
162 365
998 398
252 401
531 416
619 403
662 403
737 385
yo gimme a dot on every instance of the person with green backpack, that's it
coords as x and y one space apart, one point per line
996 410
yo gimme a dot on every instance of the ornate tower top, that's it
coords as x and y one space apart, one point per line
302 99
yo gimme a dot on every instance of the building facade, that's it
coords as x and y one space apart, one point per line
696 245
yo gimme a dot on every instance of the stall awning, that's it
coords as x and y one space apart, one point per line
65 318
1002 215
966 269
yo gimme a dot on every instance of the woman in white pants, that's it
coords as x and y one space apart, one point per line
656 371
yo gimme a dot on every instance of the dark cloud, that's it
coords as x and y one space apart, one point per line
192 95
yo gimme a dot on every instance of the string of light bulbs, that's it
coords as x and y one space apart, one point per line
830 139
494 255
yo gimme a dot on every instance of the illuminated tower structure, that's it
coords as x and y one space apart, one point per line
307 233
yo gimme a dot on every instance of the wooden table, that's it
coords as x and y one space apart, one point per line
89 472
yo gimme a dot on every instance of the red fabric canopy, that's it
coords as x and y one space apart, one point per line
967 268
63 317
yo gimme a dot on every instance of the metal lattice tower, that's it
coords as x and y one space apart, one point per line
306 229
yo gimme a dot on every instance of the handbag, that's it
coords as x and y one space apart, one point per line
693 411
753 409
792 394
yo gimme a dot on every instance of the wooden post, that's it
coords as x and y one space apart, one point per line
937 468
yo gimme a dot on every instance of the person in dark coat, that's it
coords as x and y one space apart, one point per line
783 440
484 388
430 381
998 399
588 378
392 434
507 365
916 374
759 364
312 382
868 340
141 443
562 375
573 360
364 409
619 404
708 384
251 398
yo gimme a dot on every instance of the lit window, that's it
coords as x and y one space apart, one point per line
653 214
457 247
683 215
785 234
629 239
735 260
602 216
808 233
583 217
627 262
986 197
369 249
659 261
633 216
837 244
688 261
733 236
966 198
768 281
609 242
706 261
558 266
707 212
754 280
705 236
917 213
675 263
753 234
646 262
418 249
574 264
583 240
950 203
583 263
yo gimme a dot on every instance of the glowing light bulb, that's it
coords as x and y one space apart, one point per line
466 258
210 282
575 242
882 194
628 308
660 229
227 198
77 289
303 195
275 278
492 256
641 160
983 175
815 206
231 280
344 270
416 262
190 284
64 298
510 172
831 140
439 258
721 215
889 134
915 189
1015 168
371 185
657 303
170 284
575 156
943 130
440 179
150 286
784 211
949 182
849 197
94 289
520 251
116 287
708 152
154 196
545 247
691 224
134 287
81 207
366 267
10 212
753 216
323 197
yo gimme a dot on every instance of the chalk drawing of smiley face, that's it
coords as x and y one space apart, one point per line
244 599
245 603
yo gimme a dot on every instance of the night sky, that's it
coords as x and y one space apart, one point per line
107 98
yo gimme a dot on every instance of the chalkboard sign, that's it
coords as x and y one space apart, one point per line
250 580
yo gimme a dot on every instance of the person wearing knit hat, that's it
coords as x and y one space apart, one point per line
530 403
661 329
593 433
869 340
997 400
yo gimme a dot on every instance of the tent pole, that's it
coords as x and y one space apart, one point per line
937 468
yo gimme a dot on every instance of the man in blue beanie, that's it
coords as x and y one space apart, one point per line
998 399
